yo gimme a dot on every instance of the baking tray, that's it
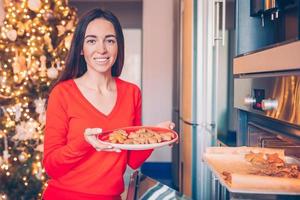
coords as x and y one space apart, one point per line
261 179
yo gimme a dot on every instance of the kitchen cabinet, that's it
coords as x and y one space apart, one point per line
262 24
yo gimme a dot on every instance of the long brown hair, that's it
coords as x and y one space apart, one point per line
75 62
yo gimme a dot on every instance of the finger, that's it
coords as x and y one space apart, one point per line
95 143
109 149
117 150
86 131
172 125
96 131
92 131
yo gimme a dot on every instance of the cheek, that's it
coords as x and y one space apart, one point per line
114 51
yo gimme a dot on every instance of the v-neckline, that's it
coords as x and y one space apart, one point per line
113 110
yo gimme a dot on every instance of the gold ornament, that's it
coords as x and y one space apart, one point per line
21 29
28 25
52 72
16 67
34 5
43 68
61 30
70 24
23 157
68 41
12 35
19 64
47 40
33 68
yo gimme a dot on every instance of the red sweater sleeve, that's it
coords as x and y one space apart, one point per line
137 158
60 155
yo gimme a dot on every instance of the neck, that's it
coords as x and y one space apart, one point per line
99 82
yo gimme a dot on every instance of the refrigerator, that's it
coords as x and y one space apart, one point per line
204 83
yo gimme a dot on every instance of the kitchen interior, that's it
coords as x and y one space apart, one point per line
227 73
231 77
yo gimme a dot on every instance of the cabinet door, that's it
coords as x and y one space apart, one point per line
252 32
186 92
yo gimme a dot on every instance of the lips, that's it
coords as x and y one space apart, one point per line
101 60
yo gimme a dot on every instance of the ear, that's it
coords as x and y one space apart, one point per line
81 52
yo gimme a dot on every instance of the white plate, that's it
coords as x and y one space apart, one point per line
139 146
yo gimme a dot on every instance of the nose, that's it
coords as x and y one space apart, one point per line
101 47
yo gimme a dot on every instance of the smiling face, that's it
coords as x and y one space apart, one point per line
100 48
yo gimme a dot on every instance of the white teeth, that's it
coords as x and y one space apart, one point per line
100 59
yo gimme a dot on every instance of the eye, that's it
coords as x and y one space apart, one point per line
91 41
111 41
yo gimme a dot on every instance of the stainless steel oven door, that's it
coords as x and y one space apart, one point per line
274 95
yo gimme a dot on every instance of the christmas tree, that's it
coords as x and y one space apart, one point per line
34 40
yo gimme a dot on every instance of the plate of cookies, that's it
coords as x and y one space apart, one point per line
138 137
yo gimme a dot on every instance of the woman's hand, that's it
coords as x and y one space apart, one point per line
91 134
166 124
169 125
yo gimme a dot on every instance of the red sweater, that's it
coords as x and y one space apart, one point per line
74 166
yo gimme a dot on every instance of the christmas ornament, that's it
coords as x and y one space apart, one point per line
48 42
34 5
40 148
39 174
18 112
70 24
39 105
37 170
61 30
42 118
68 41
66 12
52 72
12 35
23 157
33 68
21 29
16 66
43 69
28 25
26 130
22 62
5 153
19 64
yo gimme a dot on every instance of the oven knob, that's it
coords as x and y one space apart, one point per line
269 104
249 100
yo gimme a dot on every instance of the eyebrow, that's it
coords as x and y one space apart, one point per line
94 36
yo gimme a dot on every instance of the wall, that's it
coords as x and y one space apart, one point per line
158 30
129 13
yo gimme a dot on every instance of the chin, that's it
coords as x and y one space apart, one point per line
102 70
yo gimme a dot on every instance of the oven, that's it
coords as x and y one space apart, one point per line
269 110
268 105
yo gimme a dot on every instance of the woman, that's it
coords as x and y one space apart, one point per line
89 95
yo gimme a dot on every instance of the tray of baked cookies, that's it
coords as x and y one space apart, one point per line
138 137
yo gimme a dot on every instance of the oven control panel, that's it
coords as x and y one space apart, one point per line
259 96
